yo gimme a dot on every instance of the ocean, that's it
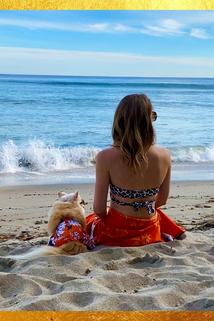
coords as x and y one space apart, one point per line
53 126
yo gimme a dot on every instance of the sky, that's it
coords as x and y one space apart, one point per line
107 43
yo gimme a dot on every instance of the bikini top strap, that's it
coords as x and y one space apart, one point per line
136 205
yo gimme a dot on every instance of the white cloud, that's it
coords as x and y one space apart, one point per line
171 24
161 28
81 27
88 63
31 24
172 27
196 18
164 27
199 33
124 28
99 27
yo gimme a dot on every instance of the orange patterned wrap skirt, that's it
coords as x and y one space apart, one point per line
116 229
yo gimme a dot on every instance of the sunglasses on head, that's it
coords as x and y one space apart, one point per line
154 116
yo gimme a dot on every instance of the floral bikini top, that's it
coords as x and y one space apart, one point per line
126 193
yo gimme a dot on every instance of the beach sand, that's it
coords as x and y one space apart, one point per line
161 276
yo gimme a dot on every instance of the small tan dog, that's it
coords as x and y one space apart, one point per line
66 225
68 208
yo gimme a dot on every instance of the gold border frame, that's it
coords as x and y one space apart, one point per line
107 4
107 316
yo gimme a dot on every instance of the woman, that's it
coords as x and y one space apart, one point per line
138 175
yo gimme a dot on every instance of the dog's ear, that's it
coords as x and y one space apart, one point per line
76 195
60 194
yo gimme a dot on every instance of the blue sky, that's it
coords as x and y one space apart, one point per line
108 43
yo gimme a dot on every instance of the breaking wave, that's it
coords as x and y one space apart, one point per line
195 154
39 157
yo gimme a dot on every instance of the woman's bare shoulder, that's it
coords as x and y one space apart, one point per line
161 152
107 155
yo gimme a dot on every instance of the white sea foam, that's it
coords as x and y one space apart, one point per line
38 157
196 154
9 157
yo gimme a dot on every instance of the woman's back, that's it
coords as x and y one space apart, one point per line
153 173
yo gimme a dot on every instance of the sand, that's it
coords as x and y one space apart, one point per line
161 276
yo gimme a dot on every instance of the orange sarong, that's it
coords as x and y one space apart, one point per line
116 229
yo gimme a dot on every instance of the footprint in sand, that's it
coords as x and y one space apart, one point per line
146 261
200 304
112 265
202 206
14 285
6 264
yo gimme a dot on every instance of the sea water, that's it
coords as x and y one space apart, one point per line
53 126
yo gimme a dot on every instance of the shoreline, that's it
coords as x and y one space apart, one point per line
173 182
181 172
91 181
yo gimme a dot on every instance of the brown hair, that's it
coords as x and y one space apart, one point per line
132 129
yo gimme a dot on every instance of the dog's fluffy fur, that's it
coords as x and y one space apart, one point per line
66 206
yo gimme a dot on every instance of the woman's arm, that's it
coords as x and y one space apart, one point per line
165 186
102 184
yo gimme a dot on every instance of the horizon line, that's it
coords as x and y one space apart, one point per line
103 76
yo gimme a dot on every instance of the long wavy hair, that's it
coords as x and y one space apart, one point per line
132 130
